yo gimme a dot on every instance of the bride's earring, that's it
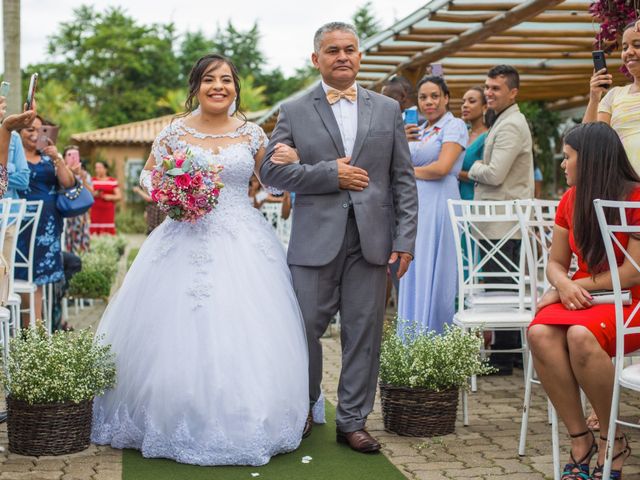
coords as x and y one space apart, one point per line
232 107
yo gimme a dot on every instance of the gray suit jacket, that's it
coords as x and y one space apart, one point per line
506 169
386 211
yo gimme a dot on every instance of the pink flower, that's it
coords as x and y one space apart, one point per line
183 181
179 162
196 181
201 202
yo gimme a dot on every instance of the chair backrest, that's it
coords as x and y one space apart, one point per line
5 206
611 242
537 218
17 209
467 217
30 221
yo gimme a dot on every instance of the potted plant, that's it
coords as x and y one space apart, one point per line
420 378
51 381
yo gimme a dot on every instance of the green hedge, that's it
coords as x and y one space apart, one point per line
99 267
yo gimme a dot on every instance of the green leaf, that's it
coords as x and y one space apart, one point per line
175 171
186 165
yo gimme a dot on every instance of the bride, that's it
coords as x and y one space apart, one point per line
208 337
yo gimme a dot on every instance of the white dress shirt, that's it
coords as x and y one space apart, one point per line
346 113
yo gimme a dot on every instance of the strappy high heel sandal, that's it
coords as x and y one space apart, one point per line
579 469
615 474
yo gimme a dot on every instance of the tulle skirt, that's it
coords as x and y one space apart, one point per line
210 347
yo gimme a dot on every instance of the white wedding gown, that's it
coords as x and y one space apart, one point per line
209 341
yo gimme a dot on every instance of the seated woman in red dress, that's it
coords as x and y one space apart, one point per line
572 340
106 193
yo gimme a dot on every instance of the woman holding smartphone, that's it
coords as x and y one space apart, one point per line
77 235
427 292
48 174
620 106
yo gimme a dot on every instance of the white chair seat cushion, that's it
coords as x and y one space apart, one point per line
630 377
495 298
492 318
14 299
5 314
22 286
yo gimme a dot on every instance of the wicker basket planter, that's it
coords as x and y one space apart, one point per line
418 412
48 429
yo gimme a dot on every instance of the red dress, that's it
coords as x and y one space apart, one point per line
103 212
599 319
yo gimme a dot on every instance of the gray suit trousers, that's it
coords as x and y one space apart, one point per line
356 288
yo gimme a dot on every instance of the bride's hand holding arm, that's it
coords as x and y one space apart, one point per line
284 155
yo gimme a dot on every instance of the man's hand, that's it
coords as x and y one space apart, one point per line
350 177
405 261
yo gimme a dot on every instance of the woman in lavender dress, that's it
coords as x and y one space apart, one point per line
428 289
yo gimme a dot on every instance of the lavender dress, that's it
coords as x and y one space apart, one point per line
428 289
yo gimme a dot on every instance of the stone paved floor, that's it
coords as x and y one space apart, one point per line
487 449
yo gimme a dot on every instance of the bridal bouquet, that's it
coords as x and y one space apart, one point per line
183 189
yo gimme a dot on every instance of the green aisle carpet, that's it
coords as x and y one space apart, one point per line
330 461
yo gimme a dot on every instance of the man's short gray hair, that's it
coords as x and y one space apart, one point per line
332 27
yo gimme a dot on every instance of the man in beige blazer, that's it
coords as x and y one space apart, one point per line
504 173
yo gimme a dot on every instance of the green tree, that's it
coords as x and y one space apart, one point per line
56 104
241 47
114 66
173 100
365 22
543 124
194 45
252 97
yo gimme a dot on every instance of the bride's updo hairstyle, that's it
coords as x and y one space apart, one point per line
195 79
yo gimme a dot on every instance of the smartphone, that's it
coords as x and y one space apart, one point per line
72 158
31 93
4 89
411 116
436 70
599 63
47 135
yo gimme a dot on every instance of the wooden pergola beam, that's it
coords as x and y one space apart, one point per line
481 17
474 5
547 56
498 24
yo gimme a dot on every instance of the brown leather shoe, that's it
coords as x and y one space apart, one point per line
308 425
360 441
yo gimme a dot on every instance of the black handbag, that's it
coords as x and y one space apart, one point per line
74 201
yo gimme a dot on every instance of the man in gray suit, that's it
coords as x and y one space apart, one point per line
355 212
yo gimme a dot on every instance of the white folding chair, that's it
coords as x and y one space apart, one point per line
625 377
24 260
5 315
17 210
536 219
468 219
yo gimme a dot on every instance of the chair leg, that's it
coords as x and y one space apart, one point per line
524 426
465 407
32 309
555 443
613 423
474 383
583 402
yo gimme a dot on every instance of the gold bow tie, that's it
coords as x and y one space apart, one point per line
334 95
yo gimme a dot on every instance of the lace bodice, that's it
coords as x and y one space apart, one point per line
234 150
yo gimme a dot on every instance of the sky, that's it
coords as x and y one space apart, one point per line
287 26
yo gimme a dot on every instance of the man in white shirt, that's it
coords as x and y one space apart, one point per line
355 212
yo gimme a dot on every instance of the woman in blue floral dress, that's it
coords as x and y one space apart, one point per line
48 174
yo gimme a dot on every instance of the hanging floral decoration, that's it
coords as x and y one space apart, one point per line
613 16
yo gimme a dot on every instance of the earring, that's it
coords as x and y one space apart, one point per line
232 107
